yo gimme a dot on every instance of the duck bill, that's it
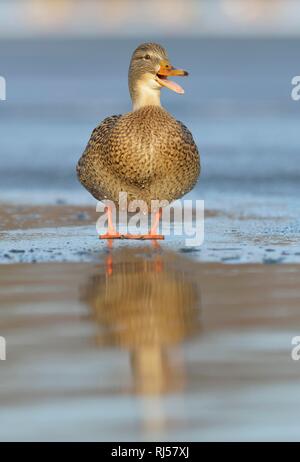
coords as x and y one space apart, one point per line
167 70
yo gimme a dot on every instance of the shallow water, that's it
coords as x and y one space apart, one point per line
237 230
148 345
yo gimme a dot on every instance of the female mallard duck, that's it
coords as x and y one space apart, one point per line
146 153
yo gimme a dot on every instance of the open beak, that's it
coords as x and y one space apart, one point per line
166 70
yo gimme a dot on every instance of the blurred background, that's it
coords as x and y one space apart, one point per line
65 64
136 17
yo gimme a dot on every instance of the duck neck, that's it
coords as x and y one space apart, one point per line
143 95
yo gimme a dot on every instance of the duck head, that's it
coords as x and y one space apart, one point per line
149 72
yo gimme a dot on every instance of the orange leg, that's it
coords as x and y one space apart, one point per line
113 234
111 231
153 231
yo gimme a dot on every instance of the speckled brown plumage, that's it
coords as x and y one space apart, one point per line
146 153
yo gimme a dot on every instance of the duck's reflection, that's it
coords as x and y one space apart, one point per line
147 301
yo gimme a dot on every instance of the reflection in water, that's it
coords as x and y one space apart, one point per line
146 301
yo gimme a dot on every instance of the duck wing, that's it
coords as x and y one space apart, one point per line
91 164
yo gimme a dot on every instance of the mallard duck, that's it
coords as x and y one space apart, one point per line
146 153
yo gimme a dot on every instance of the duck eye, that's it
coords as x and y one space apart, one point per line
147 57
